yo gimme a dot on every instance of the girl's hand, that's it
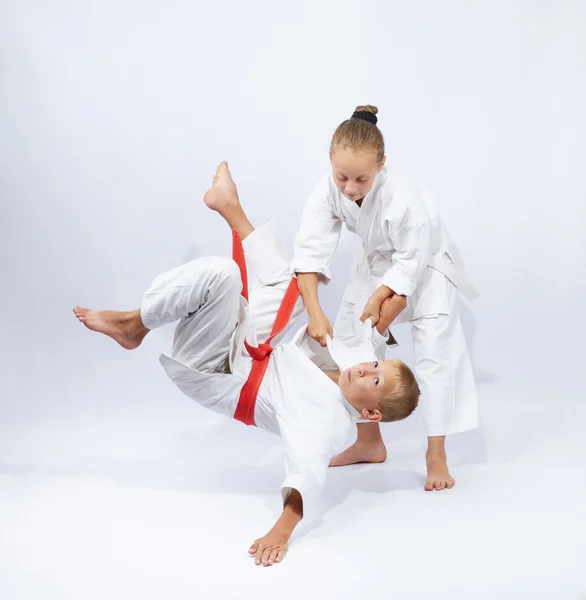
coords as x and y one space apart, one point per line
372 309
319 328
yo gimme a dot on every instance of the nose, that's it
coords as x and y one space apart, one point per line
362 371
351 189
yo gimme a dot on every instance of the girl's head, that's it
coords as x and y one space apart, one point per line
357 153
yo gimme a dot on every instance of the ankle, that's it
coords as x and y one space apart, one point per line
436 455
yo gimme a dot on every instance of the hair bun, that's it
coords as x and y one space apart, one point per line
366 113
367 108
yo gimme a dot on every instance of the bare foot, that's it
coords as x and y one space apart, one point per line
438 476
360 453
126 328
222 196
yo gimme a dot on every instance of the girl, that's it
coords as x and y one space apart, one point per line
407 263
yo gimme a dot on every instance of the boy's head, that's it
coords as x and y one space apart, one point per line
384 390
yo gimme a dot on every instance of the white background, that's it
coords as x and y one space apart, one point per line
113 116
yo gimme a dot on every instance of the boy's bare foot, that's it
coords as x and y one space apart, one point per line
126 328
438 476
361 453
222 196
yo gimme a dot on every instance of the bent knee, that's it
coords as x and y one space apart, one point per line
228 275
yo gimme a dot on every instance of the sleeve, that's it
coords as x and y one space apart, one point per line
319 235
379 343
412 238
307 456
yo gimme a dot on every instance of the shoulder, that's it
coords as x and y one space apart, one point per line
403 184
325 188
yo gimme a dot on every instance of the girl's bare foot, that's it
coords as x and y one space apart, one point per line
222 196
126 328
438 476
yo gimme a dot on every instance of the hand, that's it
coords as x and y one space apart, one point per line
318 328
389 310
372 308
269 549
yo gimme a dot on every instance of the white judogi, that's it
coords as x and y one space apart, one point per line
209 362
406 247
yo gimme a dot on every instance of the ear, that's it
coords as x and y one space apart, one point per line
381 164
372 415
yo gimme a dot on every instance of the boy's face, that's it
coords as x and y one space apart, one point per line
365 385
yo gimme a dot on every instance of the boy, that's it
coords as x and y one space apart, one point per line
210 362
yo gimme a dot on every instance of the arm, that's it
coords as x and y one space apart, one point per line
319 326
272 547
411 232
315 244
319 234
390 310
306 450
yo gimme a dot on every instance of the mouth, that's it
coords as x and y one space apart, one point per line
349 375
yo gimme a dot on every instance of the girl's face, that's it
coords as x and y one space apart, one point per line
354 172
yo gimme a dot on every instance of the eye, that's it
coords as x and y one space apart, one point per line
361 180
342 178
376 364
376 381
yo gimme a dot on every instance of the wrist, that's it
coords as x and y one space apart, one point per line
383 292
315 312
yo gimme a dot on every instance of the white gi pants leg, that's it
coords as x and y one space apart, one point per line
444 372
203 295
346 322
268 279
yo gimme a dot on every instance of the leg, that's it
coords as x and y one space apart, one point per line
126 328
223 198
268 267
445 373
204 297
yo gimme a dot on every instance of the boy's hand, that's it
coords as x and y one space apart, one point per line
319 327
372 309
270 549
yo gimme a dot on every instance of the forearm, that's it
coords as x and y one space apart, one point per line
308 289
390 310
290 517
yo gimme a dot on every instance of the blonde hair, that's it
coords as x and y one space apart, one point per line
359 135
404 398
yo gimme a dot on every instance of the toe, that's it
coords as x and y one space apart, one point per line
429 485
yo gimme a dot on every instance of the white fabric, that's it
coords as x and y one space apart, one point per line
405 244
444 371
296 400
406 247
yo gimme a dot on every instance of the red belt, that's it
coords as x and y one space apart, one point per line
260 356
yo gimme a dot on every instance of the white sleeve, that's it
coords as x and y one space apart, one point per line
412 239
307 456
318 237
